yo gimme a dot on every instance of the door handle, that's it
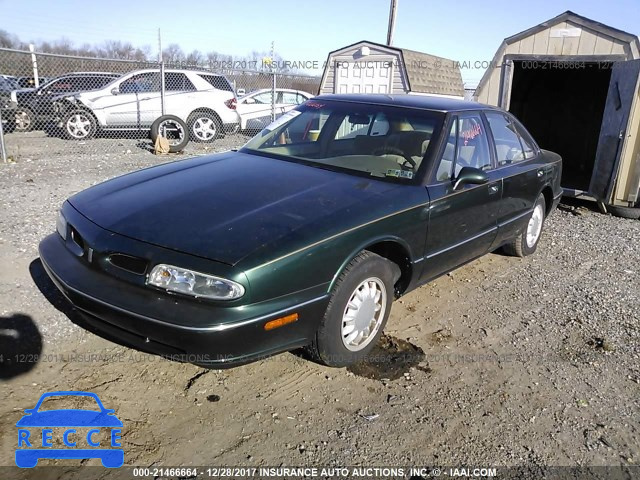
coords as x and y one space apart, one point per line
493 189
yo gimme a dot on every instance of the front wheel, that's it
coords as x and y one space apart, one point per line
24 120
204 127
79 125
357 312
173 129
527 241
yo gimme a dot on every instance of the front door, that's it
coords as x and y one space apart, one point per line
615 121
137 103
463 220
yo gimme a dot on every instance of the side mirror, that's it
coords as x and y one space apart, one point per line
470 175
115 91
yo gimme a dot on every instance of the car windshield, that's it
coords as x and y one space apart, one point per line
374 140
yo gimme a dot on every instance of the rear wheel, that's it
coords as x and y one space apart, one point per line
358 311
173 129
527 241
24 120
625 212
204 127
79 124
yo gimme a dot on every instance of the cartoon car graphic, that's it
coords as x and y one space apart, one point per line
68 418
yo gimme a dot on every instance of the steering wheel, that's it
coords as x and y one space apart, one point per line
395 151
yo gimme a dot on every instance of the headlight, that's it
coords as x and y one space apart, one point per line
61 225
176 279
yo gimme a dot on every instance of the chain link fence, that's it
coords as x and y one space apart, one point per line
68 105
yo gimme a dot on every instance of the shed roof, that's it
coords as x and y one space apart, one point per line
567 16
425 73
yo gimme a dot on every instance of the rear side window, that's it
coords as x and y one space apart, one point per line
177 82
508 145
218 82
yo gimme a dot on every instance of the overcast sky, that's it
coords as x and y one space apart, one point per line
463 30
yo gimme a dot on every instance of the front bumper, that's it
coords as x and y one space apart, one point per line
184 329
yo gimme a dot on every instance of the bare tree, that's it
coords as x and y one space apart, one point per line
173 54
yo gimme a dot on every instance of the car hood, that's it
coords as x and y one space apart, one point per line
226 206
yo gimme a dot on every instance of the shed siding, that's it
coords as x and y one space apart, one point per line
376 55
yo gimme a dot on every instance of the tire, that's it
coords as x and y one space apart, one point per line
174 130
79 124
24 121
204 127
632 213
334 345
527 241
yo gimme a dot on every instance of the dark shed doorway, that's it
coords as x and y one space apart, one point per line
562 105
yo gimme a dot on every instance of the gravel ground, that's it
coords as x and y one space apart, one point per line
512 362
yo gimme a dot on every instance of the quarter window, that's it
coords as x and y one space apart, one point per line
216 81
528 144
508 146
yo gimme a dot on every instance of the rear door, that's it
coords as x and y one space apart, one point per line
522 174
462 222
615 122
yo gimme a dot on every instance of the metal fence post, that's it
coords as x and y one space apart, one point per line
34 62
273 96
3 146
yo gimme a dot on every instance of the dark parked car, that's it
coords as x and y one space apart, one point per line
35 105
305 235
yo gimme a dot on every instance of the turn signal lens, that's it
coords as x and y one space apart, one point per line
61 225
281 322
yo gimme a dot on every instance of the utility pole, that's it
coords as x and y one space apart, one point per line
392 21
273 83
161 62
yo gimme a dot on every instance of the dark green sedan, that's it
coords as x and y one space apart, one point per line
305 236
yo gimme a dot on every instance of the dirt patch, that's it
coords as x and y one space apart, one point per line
390 359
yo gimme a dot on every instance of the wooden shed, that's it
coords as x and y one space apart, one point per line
368 67
574 84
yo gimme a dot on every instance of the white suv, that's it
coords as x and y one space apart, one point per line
204 101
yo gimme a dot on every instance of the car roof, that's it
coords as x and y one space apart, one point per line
175 70
426 102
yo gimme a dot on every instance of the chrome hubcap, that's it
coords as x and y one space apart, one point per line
172 131
204 128
363 314
79 125
23 120
535 226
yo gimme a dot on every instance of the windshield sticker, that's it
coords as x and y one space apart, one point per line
291 114
312 104
397 173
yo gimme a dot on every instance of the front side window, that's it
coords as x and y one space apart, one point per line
472 144
141 83
374 140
